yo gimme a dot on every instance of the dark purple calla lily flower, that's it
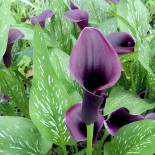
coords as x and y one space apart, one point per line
96 67
121 117
13 36
118 119
42 17
105 96
78 16
122 42
76 125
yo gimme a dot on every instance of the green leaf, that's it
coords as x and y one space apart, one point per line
7 108
29 3
124 98
144 55
151 86
49 99
19 136
61 27
135 138
97 9
12 87
137 20
28 31
5 18
109 25
82 152
129 57
60 63
136 14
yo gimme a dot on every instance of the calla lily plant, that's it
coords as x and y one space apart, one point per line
96 67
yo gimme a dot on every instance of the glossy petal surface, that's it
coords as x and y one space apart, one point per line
122 42
42 17
78 16
77 127
96 67
150 116
13 36
119 118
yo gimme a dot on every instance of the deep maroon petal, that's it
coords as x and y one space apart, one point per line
96 67
141 94
73 6
42 17
13 36
93 62
78 16
97 127
77 127
122 42
119 118
105 96
91 107
150 116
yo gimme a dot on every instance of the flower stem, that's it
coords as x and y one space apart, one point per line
132 79
101 142
64 150
90 129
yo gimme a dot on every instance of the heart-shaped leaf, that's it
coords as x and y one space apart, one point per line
124 98
19 136
135 138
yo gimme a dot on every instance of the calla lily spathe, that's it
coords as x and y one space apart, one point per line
122 42
13 36
76 125
121 117
78 16
42 17
96 66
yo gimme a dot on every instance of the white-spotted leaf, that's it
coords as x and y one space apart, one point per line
60 27
124 98
13 88
49 99
97 9
19 136
109 25
136 14
5 18
136 138
28 31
